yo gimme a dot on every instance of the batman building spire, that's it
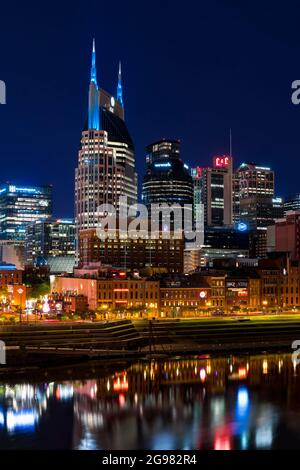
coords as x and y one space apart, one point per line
119 88
94 116
106 160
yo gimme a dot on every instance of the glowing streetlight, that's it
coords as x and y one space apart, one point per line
20 292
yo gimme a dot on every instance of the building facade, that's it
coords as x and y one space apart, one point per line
21 205
111 294
52 238
258 213
167 179
216 192
292 203
250 181
287 234
106 161
159 253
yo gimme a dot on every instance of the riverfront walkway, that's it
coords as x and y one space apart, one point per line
128 338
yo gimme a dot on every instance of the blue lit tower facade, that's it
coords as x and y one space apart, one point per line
94 115
106 160
119 87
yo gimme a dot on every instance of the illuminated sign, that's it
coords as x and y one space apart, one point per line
242 293
203 294
222 161
12 189
237 284
242 227
162 165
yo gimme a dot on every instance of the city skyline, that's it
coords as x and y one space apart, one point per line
201 119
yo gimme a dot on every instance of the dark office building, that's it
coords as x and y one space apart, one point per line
167 179
226 238
259 212
292 203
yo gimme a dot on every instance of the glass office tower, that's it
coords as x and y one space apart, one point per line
21 205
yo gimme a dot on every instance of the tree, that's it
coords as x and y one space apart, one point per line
39 290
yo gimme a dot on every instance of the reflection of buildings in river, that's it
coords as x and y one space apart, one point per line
143 399
182 403
22 405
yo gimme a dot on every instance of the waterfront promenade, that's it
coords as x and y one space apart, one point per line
57 342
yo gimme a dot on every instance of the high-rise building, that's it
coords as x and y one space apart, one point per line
167 179
287 234
292 203
219 243
106 161
258 213
216 192
251 180
196 174
48 239
21 205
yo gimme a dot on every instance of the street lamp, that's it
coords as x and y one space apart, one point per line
20 292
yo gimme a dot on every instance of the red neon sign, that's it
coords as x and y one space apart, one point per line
222 161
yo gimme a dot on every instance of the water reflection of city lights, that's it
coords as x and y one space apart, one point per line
121 382
1 418
194 402
64 392
242 373
264 437
222 442
218 408
244 441
265 366
122 400
22 419
242 402
202 375
294 366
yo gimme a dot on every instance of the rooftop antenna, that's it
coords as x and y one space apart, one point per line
230 142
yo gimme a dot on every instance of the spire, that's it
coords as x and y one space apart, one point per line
93 68
94 106
119 88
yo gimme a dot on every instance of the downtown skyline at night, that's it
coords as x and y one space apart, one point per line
195 93
149 231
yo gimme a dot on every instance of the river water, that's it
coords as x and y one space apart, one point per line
226 402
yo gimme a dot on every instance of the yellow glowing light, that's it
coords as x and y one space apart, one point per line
265 366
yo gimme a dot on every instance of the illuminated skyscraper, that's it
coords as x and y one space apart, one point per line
106 161
51 238
21 205
216 192
251 180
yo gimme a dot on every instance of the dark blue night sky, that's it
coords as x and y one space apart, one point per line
191 70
